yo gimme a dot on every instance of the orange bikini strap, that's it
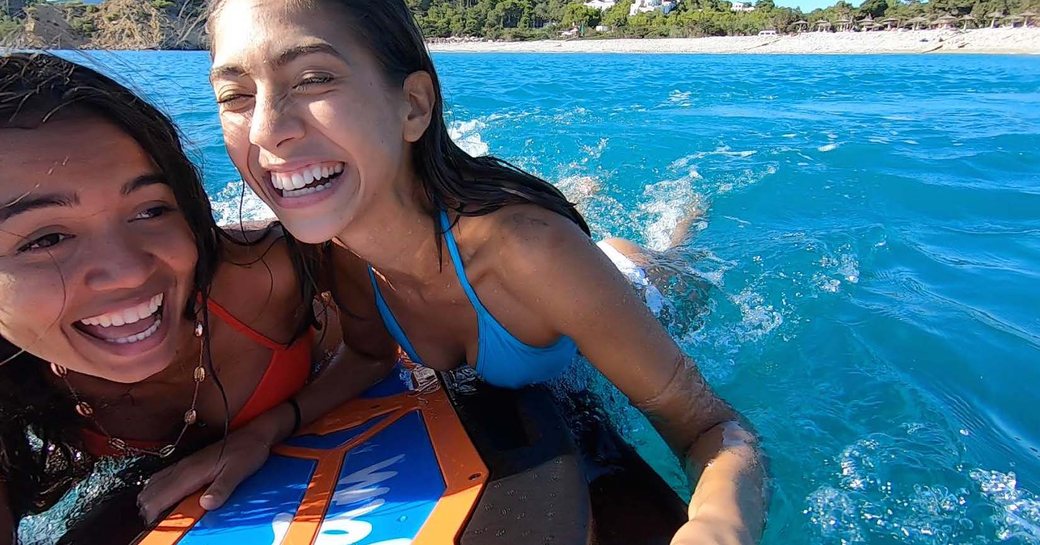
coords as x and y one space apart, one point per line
242 328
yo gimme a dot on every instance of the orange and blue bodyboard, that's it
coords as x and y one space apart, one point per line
392 467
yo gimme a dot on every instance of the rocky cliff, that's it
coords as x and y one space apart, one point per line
112 24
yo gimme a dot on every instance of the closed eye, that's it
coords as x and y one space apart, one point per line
311 81
230 98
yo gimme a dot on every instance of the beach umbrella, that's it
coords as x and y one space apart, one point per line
799 25
1028 15
823 25
917 22
995 16
1014 19
967 19
890 22
945 21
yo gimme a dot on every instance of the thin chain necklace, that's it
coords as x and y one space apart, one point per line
190 416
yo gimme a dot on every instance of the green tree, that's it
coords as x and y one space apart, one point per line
617 16
580 16
874 8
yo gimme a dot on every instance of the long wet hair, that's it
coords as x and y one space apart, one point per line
450 177
40 454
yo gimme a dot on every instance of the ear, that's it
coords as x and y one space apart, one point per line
420 97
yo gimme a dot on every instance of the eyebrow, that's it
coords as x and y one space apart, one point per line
26 204
282 59
49 200
142 182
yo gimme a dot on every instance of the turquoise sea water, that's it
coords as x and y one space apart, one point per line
870 240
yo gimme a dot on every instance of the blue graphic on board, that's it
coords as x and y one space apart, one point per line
260 510
387 489
335 439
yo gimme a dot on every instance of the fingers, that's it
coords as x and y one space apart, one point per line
168 487
226 483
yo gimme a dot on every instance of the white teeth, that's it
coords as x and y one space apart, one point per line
301 192
140 336
126 316
294 181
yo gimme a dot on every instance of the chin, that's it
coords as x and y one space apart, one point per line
318 228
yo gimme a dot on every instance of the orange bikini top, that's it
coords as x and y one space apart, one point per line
286 374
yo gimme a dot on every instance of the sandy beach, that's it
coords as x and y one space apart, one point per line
986 40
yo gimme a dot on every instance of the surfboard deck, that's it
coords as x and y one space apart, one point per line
392 467
425 458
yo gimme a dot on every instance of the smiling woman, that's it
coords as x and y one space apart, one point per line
111 267
470 260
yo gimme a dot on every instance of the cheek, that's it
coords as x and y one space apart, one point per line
31 304
236 137
176 248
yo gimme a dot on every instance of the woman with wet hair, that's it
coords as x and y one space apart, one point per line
130 324
332 112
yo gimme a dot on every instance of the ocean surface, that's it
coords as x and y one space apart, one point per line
862 273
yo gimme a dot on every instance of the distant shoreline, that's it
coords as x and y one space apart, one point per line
1001 41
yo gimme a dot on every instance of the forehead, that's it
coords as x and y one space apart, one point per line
251 33
86 148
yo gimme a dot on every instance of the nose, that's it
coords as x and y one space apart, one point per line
118 261
274 123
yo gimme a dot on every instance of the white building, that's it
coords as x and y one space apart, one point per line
742 6
602 5
642 6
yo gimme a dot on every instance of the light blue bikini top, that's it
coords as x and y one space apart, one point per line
502 359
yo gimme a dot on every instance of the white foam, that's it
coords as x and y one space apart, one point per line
466 135
595 152
758 317
726 151
1017 513
667 204
680 98
238 202
828 147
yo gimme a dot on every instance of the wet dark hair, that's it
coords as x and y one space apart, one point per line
450 177
40 446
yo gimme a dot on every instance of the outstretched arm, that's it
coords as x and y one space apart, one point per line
576 289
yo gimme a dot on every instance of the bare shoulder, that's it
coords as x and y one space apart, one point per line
526 236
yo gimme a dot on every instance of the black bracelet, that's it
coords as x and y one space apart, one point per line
297 418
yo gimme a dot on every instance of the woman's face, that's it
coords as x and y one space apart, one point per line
96 260
308 117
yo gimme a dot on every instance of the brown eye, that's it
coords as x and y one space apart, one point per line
44 242
153 212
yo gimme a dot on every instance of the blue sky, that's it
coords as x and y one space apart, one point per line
809 5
